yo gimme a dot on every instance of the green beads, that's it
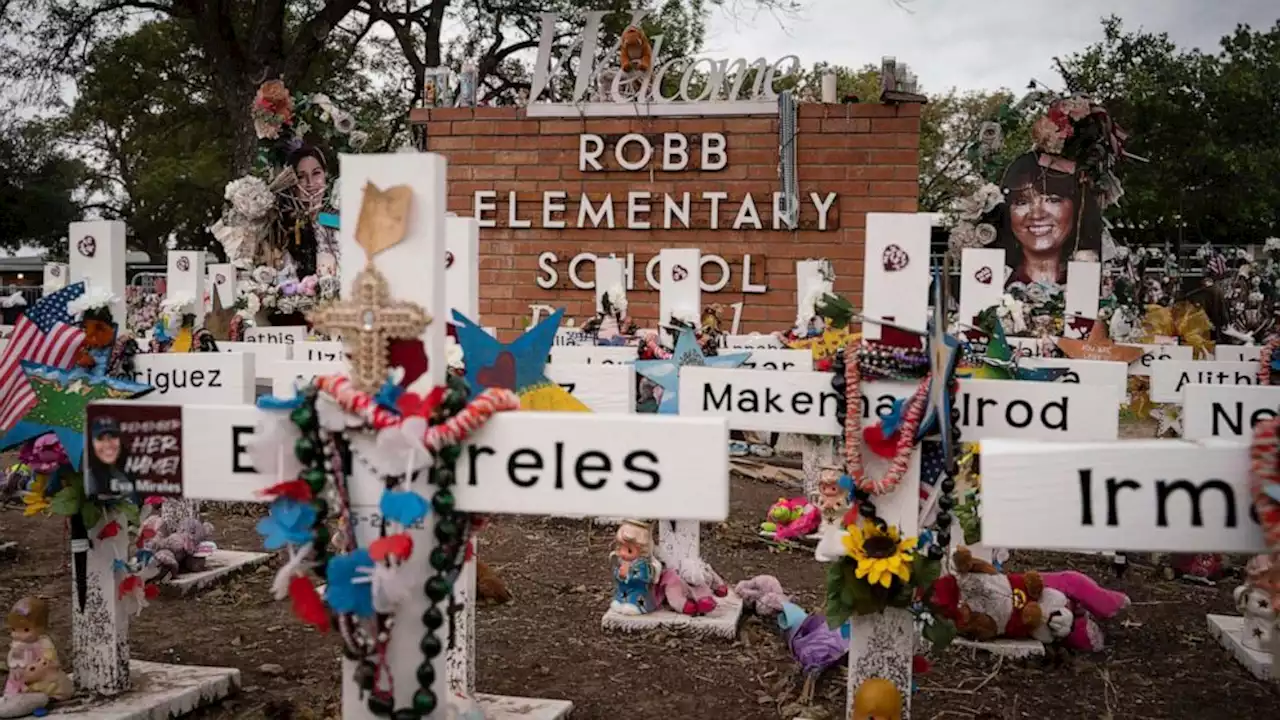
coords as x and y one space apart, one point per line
314 478
437 588
430 646
424 701
432 618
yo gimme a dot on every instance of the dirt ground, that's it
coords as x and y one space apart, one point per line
1160 663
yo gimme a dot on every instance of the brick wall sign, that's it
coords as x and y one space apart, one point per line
552 195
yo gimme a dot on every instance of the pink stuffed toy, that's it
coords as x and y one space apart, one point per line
791 519
691 589
1088 601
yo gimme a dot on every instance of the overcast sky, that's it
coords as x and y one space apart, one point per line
972 44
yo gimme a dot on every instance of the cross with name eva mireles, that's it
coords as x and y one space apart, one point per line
386 586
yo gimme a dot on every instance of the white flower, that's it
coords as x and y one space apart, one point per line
250 197
454 356
252 304
178 303
1242 254
357 139
323 102
302 129
982 201
1119 328
1037 294
1255 298
264 275
1122 253
93 297
991 137
985 233
617 297
1271 245
343 122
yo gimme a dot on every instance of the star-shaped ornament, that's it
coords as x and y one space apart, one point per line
666 373
61 399
518 366
368 321
944 355
1168 419
999 362
1098 346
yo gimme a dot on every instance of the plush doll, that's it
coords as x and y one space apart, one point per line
179 551
692 588
985 604
1082 601
636 52
763 593
791 519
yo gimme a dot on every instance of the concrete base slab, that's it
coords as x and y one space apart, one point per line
721 623
1228 629
1007 648
222 565
504 707
811 539
159 692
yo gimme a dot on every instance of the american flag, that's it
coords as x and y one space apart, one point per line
932 463
46 333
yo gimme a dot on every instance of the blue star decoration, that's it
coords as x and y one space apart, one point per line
61 399
944 355
666 373
518 366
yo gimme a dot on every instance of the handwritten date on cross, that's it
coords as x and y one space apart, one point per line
367 321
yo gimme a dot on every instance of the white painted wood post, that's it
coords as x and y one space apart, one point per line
185 276
813 276
895 285
462 290
414 270
220 280
1083 294
981 282
100 630
680 295
610 273
56 276
97 256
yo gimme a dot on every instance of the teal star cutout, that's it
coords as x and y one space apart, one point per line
666 373
61 399
944 354
515 366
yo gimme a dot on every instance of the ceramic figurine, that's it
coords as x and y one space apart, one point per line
35 676
635 571
832 499
1253 600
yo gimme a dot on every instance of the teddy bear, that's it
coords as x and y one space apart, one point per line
635 51
181 550
985 604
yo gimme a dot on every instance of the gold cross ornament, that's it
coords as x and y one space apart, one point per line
367 321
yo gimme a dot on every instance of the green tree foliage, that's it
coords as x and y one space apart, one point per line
949 126
1206 123
38 188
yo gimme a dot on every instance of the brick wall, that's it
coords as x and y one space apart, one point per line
867 154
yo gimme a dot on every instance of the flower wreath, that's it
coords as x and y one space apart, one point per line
401 434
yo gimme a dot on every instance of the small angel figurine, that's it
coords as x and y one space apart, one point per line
635 571
35 676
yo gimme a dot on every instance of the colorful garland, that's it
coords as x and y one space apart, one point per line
853 436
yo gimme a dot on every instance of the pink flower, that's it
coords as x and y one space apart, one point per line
44 455
1047 135
308 285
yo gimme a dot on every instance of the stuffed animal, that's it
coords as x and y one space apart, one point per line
636 52
791 519
763 593
1085 601
181 550
692 588
985 604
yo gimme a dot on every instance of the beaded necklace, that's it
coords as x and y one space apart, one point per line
327 458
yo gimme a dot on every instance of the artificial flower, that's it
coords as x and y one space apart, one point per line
991 137
35 499
264 275
288 522
44 455
985 233
881 555
1048 136
343 122
403 507
308 285
93 298
358 139
350 583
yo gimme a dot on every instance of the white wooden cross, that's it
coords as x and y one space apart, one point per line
883 645
655 468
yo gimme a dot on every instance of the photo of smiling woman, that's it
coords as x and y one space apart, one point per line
1050 219
106 476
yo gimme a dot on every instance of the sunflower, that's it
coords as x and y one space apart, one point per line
35 500
880 554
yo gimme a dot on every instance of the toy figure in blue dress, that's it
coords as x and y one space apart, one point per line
635 571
